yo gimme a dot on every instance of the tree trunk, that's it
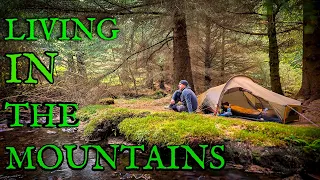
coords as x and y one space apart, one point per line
273 50
70 73
310 89
181 56
222 64
207 54
81 66
132 76
133 80
150 80
162 82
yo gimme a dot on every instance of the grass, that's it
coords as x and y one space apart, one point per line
108 114
139 100
171 128
88 112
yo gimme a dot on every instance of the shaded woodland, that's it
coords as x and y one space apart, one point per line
275 42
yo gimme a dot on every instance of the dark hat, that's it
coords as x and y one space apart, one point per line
184 82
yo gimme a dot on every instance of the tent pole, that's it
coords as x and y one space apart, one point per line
303 116
278 114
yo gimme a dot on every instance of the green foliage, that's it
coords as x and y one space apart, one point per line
109 115
85 113
313 147
168 128
180 128
295 141
270 134
291 79
171 128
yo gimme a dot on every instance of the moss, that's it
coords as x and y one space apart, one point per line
109 118
168 128
88 112
181 128
171 128
106 101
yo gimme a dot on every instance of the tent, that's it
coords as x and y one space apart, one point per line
248 99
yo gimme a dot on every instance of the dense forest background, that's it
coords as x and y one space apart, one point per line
275 42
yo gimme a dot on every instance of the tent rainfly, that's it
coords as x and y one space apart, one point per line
242 92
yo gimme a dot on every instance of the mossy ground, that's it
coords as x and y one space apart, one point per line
108 115
168 128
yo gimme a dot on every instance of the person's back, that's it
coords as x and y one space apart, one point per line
189 99
186 96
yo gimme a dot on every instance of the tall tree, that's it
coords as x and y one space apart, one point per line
208 53
181 56
223 54
273 46
310 89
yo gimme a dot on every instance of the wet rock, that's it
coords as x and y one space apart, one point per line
126 176
101 130
243 160
52 178
231 176
137 176
95 140
16 176
42 120
70 121
51 132
69 130
258 169
22 153
189 173
4 128
25 122
115 174
146 176
294 177
31 131
234 166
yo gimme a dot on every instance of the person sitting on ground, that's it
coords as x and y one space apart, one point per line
228 112
186 96
175 98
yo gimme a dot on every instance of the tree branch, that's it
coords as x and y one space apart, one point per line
112 71
254 33
166 42
247 13
91 11
116 4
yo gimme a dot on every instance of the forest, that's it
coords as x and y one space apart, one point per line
161 42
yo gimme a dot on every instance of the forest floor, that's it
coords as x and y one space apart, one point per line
285 148
239 128
312 111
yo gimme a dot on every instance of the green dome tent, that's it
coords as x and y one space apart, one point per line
249 99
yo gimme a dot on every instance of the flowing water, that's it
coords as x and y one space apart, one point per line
23 137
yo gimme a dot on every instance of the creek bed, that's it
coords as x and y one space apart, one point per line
23 137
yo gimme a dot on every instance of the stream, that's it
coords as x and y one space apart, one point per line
23 137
